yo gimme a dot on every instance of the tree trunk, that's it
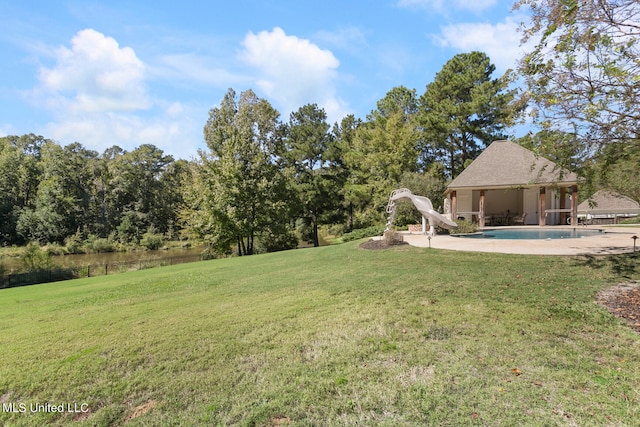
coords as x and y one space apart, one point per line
316 243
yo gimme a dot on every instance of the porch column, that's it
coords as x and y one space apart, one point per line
542 220
563 215
574 205
454 206
481 209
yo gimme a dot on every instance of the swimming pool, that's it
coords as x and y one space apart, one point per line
533 234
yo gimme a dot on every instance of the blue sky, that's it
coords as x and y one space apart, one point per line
135 72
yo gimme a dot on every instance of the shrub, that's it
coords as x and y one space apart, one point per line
362 233
102 245
55 249
635 220
334 230
127 231
464 227
34 258
74 244
151 241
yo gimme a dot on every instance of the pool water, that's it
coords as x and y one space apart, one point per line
532 234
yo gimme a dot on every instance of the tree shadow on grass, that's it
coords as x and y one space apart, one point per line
623 265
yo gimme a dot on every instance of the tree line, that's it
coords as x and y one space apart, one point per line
50 193
265 182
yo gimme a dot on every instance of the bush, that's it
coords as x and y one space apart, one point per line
74 244
334 229
55 249
362 233
34 258
102 245
151 241
635 220
127 231
464 227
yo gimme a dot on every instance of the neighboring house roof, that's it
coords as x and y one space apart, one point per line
505 164
609 202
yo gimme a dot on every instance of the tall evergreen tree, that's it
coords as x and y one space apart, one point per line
309 152
464 109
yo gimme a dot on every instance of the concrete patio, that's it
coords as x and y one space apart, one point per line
615 240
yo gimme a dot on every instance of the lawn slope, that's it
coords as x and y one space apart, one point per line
326 336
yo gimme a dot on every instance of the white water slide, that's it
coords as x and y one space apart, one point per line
423 204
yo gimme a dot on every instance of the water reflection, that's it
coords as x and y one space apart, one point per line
14 265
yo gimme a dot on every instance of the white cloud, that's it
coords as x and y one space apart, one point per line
500 41
294 72
172 130
7 129
442 5
95 75
97 93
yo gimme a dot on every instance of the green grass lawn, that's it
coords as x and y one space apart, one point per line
327 336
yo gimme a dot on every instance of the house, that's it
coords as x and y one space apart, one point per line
607 207
508 184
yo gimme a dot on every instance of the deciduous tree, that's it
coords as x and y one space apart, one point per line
382 149
244 193
582 73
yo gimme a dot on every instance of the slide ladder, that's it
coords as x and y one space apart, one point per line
423 204
392 205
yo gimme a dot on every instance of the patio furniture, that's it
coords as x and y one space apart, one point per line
519 219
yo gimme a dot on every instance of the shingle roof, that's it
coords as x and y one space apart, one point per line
608 201
505 164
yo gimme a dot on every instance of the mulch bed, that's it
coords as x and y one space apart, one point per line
380 244
623 301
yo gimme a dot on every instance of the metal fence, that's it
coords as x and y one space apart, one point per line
56 274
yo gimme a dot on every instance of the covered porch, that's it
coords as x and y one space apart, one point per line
535 205
508 184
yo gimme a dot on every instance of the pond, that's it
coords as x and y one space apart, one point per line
13 265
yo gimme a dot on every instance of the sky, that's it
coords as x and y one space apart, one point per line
128 73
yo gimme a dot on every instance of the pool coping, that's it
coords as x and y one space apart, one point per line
615 240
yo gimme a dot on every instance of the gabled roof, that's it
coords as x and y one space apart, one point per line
610 202
505 164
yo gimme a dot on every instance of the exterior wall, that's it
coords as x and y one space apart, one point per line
531 205
501 201
465 204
